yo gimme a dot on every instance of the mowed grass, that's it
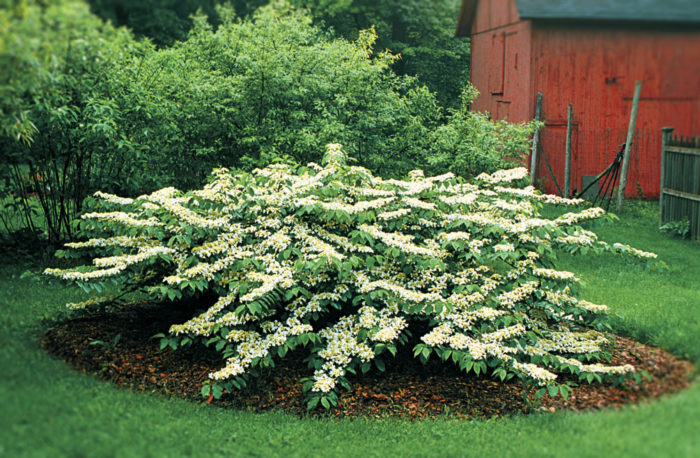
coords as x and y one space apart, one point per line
47 409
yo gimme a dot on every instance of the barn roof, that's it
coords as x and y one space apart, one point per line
619 10
597 10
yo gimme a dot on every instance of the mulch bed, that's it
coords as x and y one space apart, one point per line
407 389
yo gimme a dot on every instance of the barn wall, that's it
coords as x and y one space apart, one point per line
493 14
594 67
500 61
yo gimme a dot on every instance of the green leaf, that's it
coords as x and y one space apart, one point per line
380 364
313 402
564 391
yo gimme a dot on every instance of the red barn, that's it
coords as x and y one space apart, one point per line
589 54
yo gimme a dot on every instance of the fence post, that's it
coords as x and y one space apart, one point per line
535 141
567 167
628 146
665 138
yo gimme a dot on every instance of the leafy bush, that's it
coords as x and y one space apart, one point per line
351 265
470 143
680 228
275 86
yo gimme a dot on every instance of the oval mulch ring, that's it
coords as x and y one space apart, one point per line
407 389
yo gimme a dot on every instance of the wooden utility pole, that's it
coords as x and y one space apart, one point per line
628 146
535 141
567 166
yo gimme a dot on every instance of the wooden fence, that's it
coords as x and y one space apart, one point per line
679 197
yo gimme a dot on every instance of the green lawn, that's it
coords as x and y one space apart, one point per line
47 409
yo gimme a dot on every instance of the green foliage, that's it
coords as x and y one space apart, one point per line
162 21
60 126
679 228
277 86
111 345
422 32
350 265
470 143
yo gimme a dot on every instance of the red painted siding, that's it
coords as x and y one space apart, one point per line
592 66
500 61
495 13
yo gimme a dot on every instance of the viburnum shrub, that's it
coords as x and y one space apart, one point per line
346 264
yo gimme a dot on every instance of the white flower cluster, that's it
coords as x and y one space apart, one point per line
417 203
518 294
531 193
622 248
452 236
504 176
111 198
598 368
571 218
343 242
405 294
401 241
358 207
125 218
277 275
111 266
572 342
504 248
552 274
581 237
541 375
254 346
166 199
123 241
341 347
392 215
460 199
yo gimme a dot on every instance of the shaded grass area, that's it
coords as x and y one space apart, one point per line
13 214
47 409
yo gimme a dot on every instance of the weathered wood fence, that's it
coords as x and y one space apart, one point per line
679 197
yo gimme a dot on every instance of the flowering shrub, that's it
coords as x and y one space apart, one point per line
346 263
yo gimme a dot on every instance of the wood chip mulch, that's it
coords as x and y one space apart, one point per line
407 389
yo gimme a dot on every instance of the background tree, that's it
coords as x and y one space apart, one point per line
421 31
163 21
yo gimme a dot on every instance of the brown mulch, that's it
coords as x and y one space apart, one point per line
407 389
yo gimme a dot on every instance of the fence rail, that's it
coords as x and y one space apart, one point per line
679 196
